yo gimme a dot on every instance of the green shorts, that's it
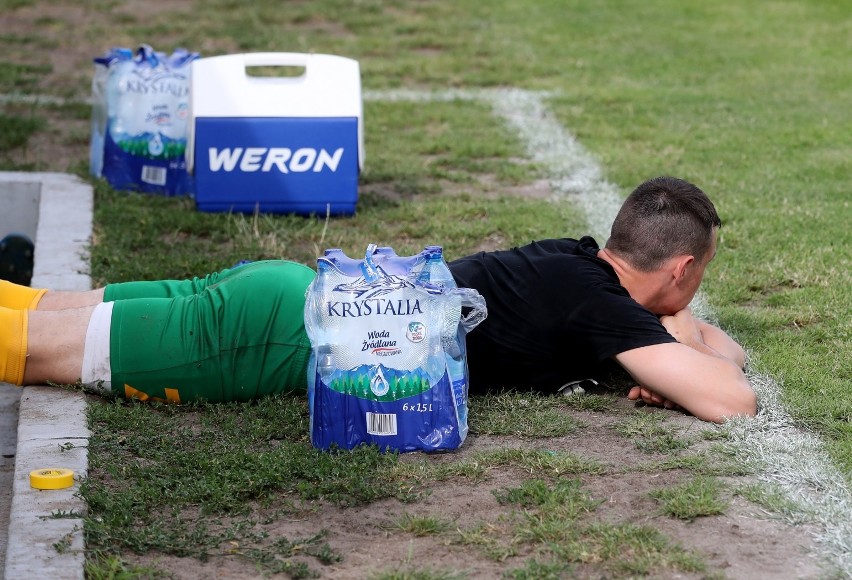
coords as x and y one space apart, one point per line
232 336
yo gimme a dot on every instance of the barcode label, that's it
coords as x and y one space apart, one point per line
154 175
381 423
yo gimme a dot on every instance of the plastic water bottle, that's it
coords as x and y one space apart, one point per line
385 251
436 269
325 363
100 99
437 272
99 122
320 362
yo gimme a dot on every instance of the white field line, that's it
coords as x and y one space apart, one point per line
771 443
573 173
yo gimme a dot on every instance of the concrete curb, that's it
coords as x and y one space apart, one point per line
45 536
45 529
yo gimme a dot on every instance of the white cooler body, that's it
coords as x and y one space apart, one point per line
276 144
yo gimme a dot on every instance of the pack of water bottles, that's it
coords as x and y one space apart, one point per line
140 112
388 363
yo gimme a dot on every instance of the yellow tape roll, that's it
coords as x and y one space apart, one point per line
52 478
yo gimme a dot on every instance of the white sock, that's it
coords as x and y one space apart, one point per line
97 371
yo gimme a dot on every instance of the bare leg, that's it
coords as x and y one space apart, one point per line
55 300
55 342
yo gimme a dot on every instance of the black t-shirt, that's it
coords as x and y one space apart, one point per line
556 312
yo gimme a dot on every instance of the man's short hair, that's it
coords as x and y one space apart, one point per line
663 218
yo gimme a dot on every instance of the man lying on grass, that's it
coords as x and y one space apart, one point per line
558 310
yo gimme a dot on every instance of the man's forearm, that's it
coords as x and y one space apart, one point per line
709 386
721 344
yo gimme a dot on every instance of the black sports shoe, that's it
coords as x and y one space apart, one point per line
16 259
576 387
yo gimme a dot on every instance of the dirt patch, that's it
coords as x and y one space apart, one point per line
538 189
742 543
493 242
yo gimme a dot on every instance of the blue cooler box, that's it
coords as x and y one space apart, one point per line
277 144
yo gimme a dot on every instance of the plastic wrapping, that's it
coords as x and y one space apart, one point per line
388 364
140 112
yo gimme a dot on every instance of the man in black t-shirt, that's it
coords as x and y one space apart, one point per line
559 309
556 312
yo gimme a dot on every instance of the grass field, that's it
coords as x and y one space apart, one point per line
749 100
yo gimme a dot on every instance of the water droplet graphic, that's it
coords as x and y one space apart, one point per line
155 145
379 385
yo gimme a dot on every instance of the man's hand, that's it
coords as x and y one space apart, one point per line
649 397
684 327
703 337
